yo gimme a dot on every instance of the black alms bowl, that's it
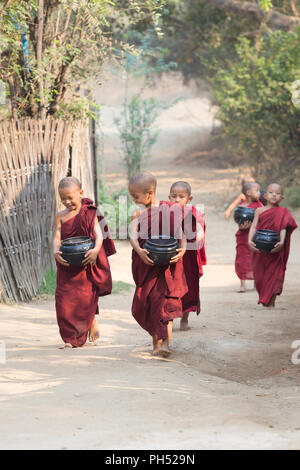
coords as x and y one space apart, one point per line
161 249
74 249
265 240
243 214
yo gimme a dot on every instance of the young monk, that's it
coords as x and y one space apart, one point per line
243 259
159 289
78 288
269 268
195 257
240 199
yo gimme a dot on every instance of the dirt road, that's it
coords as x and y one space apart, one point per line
229 383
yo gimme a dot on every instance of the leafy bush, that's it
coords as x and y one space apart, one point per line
254 97
120 286
137 132
50 49
49 285
292 197
136 126
116 208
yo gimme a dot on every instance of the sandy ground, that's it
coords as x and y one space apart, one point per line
229 383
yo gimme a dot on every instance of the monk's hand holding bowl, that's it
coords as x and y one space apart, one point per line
253 246
277 247
143 254
245 225
59 259
90 257
180 254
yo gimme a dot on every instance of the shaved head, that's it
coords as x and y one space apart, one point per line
68 182
144 181
248 185
275 187
182 185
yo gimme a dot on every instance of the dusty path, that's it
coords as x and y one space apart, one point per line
229 383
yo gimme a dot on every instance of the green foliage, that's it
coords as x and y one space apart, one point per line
48 286
116 209
254 97
137 132
49 283
77 108
292 197
146 55
67 42
197 35
266 5
145 60
120 286
251 70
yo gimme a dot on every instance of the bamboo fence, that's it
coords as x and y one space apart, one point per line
34 156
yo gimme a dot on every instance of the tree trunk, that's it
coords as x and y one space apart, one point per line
39 54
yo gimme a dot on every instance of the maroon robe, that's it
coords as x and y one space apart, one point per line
78 288
159 289
193 262
244 255
269 269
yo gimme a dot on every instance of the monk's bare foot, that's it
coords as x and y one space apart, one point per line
66 346
156 346
94 331
184 325
155 351
164 350
271 304
184 322
243 287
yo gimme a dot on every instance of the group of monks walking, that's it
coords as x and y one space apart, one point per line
267 269
163 292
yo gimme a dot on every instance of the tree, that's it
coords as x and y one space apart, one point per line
256 109
260 12
249 52
51 48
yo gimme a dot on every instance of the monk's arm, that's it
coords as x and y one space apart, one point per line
199 232
246 225
282 236
253 230
133 238
181 250
280 244
57 241
91 255
234 204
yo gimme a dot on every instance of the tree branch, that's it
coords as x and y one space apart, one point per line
5 7
293 8
39 51
50 7
272 18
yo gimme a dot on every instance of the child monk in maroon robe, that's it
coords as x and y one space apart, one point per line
195 256
269 268
243 259
159 289
241 198
78 288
